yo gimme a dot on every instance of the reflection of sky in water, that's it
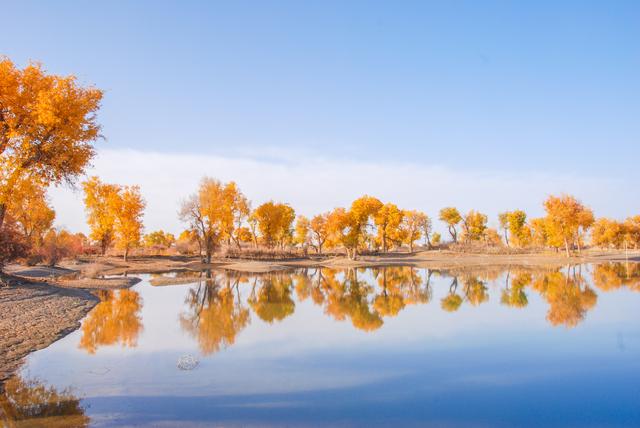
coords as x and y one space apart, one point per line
488 364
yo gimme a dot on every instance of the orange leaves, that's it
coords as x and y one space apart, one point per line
47 126
566 216
114 213
215 212
275 222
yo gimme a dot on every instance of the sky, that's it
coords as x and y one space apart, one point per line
485 105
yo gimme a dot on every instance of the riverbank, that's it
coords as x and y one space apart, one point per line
34 315
92 268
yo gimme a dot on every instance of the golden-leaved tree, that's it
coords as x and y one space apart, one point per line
30 209
215 213
451 216
114 214
413 225
388 219
128 207
474 225
47 128
566 219
275 222
319 231
608 233
514 225
302 234
98 197
350 228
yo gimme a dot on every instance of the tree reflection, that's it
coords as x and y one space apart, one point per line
612 276
513 294
31 403
216 314
271 297
116 319
349 294
350 298
568 295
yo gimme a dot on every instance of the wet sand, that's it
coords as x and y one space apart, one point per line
34 315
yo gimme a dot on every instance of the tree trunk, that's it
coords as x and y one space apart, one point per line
506 238
566 246
411 247
126 254
3 211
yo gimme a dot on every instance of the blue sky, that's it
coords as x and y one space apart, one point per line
492 87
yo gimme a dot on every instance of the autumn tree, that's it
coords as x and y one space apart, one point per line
388 219
435 239
503 219
413 224
319 231
566 218
207 215
632 228
426 227
47 128
607 233
30 209
302 231
275 222
98 201
238 209
539 236
128 208
350 228
451 216
360 214
159 239
474 225
341 231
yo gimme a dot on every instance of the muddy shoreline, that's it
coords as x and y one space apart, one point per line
45 304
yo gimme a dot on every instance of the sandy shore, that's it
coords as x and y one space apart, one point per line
34 315
422 259
44 304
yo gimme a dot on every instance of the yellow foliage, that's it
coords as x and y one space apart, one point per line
451 216
47 127
275 222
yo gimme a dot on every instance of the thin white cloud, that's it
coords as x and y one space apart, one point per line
313 184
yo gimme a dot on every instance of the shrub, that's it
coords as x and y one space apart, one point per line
59 244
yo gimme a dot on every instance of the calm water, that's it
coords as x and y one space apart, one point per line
368 347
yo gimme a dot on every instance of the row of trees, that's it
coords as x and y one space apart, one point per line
219 212
114 214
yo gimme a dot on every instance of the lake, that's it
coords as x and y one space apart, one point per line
396 346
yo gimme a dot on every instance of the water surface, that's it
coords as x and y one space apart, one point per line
396 346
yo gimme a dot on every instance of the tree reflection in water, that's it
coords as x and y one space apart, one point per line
30 403
216 311
116 319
